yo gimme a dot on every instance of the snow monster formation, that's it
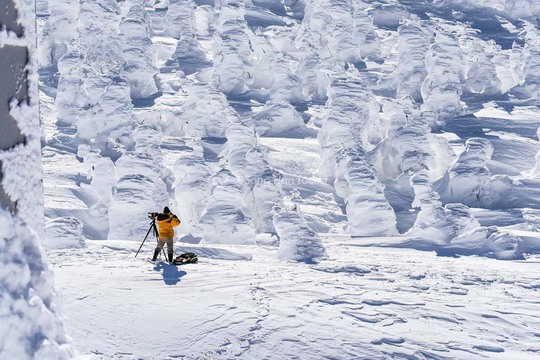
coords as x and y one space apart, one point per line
376 104
31 324
345 139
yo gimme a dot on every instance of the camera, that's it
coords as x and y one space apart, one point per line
152 215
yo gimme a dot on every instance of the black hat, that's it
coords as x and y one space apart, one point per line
166 210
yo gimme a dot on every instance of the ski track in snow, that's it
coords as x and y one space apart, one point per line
360 303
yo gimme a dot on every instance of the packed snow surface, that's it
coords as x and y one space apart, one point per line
242 302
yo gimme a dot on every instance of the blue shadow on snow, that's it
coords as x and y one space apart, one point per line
171 274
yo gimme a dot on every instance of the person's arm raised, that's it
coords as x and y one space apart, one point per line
175 221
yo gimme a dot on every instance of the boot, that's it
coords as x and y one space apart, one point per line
156 253
170 257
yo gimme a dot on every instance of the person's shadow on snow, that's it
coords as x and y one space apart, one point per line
171 274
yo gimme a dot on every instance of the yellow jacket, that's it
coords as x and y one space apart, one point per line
166 222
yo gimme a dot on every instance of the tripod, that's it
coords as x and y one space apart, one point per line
156 235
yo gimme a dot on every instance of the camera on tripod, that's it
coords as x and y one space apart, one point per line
152 215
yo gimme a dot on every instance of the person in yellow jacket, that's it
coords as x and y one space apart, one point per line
166 221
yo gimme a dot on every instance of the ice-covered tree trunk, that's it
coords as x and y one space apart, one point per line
139 52
262 190
412 47
368 211
67 91
142 182
350 129
224 220
350 111
406 150
431 222
205 113
311 74
265 190
536 168
443 85
468 180
178 21
482 74
317 59
232 50
273 77
191 186
332 20
104 97
180 24
31 325
366 39
59 49
57 39
530 62
297 242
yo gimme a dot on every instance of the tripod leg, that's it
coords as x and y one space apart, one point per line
140 247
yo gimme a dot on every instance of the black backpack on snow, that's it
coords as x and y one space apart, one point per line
186 258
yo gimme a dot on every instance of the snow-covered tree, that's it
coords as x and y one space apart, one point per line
32 327
232 50
58 37
272 74
350 128
139 52
180 23
261 186
482 74
277 118
142 181
224 220
191 185
536 168
530 64
367 41
102 112
443 85
297 241
468 180
412 47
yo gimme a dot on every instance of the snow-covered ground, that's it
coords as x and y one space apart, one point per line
241 302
